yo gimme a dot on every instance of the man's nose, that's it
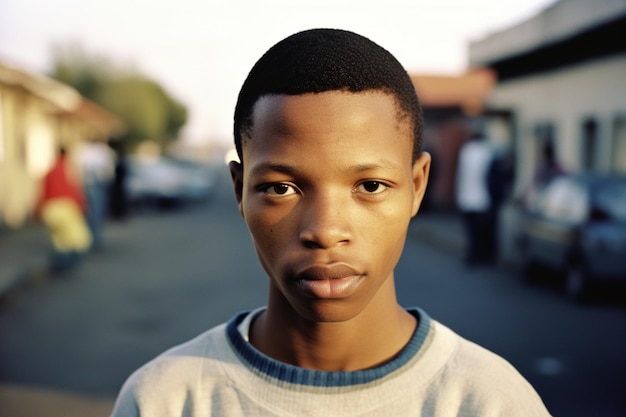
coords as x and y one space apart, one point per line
325 223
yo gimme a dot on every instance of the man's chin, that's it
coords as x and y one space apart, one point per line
328 311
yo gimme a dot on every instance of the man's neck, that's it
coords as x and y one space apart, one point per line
366 341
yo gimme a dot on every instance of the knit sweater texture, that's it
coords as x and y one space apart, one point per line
219 373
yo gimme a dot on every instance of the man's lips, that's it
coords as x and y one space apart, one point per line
328 281
322 272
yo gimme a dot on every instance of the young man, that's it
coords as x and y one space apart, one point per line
328 129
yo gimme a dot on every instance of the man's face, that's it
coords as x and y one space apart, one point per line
327 189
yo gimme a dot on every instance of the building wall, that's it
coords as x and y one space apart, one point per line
28 130
569 99
21 121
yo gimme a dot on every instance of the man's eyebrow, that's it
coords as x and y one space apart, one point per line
265 167
381 164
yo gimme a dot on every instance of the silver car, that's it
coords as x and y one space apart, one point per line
576 225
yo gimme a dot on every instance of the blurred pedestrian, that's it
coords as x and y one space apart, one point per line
96 162
549 167
499 177
328 132
118 193
475 199
61 208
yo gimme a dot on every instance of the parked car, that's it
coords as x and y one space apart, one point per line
576 225
166 180
199 179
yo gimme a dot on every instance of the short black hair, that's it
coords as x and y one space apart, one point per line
319 60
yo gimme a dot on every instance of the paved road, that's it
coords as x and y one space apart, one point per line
165 276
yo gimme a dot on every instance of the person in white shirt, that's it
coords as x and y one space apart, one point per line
474 199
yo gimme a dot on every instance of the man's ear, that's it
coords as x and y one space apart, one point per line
236 173
421 169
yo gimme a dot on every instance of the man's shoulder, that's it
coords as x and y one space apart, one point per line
468 355
165 380
481 374
183 362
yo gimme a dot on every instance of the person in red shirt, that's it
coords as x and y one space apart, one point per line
62 208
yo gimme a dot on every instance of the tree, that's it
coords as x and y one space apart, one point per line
148 111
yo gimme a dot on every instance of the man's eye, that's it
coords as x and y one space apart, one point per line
372 187
279 189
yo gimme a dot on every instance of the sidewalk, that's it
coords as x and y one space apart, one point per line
34 402
445 230
441 229
23 254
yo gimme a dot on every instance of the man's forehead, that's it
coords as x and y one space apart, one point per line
274 108
362 139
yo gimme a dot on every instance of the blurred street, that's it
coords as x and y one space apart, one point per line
162 277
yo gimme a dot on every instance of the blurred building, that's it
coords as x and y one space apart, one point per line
37 115
450 104
561 81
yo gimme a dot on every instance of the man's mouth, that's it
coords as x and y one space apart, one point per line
319 272
328 281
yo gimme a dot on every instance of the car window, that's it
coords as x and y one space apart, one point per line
564 200
610 199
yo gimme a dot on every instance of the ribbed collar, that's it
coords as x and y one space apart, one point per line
280 371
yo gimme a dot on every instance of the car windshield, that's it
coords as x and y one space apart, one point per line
610 199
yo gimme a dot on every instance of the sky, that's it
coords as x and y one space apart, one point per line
200 51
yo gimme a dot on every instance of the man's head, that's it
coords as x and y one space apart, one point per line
320 60
328 180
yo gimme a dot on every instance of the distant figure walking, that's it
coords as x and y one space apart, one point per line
97 166
118 196
474 199
61 208
549 167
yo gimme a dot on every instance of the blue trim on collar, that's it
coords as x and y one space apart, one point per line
301 376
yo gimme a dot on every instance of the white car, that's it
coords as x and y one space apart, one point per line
165 180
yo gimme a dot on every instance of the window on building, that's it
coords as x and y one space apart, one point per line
545 150
545 132
589 144
618 153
